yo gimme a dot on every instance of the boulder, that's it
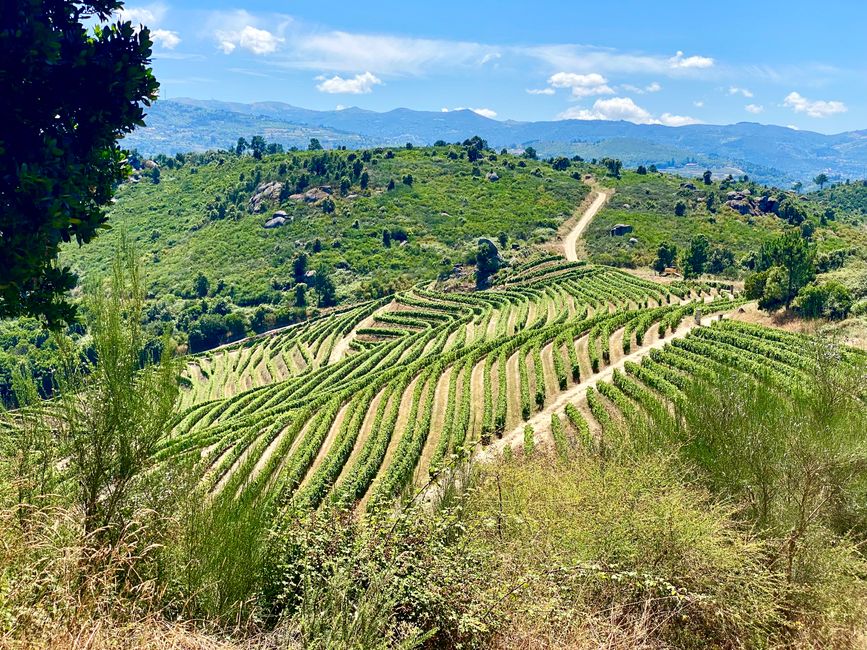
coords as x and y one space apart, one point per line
688 186
492 176
297 197
768 203
265 193
275 222
314 195
741 206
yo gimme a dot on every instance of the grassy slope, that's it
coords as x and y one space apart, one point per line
444 212
652 198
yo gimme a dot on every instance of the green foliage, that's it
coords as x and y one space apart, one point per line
666 255
828 300
444 211
113 412
785 265
60 159
695 257
529 440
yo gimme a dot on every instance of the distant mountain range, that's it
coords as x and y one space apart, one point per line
771 154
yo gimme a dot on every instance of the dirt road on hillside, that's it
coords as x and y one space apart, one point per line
571 241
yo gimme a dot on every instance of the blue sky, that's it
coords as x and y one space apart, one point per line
792 63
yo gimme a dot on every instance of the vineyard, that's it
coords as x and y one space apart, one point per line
361 405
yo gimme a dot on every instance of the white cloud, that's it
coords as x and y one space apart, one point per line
541 91
698 103
680 61
146 15
582 85
381 54
616 108
624 108
650 88
589 59
755 109
813 108
257 41
745 92
677 120
360 84
484 112
165 38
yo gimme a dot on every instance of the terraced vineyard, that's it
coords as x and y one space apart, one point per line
363 404
642 392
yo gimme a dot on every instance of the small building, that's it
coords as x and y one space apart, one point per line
620 229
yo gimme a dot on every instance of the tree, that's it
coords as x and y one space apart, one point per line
707 177
695 257
797 186
720 259
666 254
66 96
257 146
241 147
201 285
314 145
326 292
112 412
155 175
299 268
408 180
821 180
530 153
785 265
561 163
830 300
390 185
300 295
386 238
487 262
613 166
680 209
641 170
364 182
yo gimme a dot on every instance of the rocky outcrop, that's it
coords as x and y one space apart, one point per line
265 193
743 202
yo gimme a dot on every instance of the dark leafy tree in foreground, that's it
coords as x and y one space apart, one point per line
66 97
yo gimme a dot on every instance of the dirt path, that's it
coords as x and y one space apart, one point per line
437 424
571 240
338 352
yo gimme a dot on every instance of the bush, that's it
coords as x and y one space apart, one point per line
830 300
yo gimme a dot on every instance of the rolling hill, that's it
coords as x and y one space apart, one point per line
771 154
